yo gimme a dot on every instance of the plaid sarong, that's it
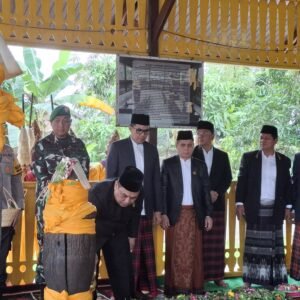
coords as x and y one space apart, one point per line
144 258
213 248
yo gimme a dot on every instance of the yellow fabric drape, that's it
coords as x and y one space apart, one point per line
54 295
97 172
9 111
67 209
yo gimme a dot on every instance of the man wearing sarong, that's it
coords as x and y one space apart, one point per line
48 152
295 263
135 151
187 212
219 171
119 203
263 198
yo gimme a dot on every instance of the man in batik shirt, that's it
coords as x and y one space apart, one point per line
48 153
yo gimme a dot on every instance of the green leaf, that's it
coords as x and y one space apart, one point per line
30 85
74 99
63 59
57 80
33 64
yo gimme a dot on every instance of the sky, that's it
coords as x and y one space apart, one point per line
47 56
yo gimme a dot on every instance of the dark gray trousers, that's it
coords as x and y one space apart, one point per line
118 261
6 238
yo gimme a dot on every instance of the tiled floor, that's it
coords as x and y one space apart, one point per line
105 292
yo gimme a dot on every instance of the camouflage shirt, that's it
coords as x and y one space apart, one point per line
50 150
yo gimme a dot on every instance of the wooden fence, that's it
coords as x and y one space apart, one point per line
22 258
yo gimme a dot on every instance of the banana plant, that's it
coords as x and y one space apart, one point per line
33 81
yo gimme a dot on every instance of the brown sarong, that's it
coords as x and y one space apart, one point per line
184 268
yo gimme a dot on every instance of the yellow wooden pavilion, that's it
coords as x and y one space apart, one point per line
261 33
249 32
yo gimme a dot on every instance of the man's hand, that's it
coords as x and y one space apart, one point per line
214 196
288 215
157 218
131 243
240 211
165 223
208 223
292 216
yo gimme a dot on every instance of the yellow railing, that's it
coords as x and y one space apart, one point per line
262 33
22 258
248 32
116 26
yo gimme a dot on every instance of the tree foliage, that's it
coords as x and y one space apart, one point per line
239 100
34 82
98 79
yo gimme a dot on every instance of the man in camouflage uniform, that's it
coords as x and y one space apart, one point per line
48 152
10 188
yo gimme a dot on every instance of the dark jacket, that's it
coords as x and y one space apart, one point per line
220 175
249 186
172 186
121 155
296 186
111 217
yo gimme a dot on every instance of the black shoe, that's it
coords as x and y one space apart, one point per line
140 296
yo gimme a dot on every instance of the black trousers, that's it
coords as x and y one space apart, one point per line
119 265
6 238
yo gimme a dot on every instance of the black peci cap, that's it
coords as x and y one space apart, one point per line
140 119
131 179
206 125
185 135
270 130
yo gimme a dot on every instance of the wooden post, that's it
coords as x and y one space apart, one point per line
157 20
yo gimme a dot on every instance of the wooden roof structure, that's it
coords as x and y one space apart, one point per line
249 32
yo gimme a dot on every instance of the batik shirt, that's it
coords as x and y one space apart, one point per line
49 152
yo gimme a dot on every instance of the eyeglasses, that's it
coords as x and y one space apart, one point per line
139 131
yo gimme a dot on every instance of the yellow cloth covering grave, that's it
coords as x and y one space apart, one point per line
97 172
53 295
67 209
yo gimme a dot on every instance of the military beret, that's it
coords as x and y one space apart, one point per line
60 110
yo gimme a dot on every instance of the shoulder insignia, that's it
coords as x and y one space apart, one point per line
17 168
